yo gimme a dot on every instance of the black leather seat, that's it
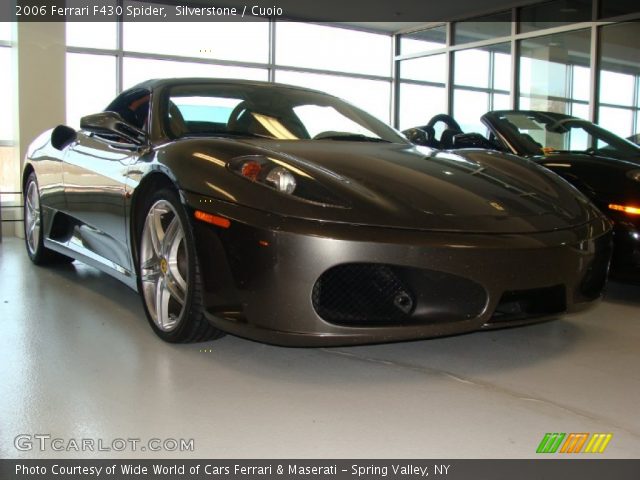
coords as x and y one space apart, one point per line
446 139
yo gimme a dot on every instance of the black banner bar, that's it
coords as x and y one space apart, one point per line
547 469
565 11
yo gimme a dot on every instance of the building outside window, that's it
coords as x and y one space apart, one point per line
466 68
482 82
9 161
619 80
554 73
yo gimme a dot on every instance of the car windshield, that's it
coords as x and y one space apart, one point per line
269 111
553 132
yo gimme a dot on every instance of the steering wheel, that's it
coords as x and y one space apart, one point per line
448 120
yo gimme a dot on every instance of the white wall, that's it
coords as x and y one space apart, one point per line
41 79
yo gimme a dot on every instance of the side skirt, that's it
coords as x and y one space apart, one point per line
73 248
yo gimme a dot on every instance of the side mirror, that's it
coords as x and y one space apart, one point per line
61 136
111 123
417 136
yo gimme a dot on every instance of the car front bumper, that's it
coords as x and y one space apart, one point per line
301 282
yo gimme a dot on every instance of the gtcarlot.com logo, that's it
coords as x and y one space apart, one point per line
44 442
574 443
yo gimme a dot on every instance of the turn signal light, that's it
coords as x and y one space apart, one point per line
251 170
212 219
625 209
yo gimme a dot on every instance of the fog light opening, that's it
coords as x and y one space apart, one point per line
403 302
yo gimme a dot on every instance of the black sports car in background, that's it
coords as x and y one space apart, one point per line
603 166
635 138
289 216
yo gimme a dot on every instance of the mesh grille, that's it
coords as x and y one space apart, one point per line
362 294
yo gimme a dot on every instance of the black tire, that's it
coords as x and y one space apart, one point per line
190 324
38 253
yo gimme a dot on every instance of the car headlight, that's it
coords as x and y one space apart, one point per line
284 178
634 175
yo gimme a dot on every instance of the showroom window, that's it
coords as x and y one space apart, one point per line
422 89
102 35
91 81
6 32
239 41
423 40
548 53
330 48
619 59
482 28
425 69
6 94
91 85
9 161
137 70
563 12
194 49
418 103
614 8
554 72
482 82
362 61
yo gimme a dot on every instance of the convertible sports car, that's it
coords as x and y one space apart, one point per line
289 216
603 166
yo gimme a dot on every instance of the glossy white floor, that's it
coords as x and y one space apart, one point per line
78 360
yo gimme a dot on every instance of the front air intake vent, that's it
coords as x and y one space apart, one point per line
362 293
372 294
518 305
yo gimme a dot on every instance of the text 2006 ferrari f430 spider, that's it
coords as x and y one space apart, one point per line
288 216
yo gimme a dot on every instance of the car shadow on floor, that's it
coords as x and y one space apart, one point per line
479 352
93 279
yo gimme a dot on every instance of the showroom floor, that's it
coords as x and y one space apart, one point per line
77 359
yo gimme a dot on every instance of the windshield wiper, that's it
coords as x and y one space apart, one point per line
351 137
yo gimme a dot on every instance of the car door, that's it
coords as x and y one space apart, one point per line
94 176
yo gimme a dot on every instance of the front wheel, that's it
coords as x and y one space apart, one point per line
168 275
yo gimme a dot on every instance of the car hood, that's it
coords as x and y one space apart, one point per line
404 186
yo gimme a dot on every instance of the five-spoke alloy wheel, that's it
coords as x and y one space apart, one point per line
164 265
168 273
